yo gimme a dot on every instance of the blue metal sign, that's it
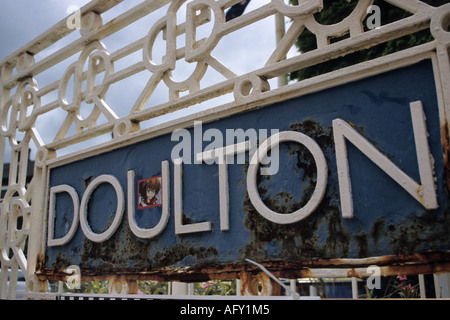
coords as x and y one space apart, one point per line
353 171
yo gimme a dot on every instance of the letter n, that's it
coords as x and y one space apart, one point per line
425 193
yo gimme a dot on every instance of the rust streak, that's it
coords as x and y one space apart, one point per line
421 263
40 261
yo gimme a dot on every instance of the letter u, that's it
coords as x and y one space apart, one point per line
150 232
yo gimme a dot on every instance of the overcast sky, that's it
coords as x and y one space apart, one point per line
23 20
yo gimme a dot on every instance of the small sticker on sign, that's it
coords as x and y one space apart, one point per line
149 193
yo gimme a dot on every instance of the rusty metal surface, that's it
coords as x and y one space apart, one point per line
424 263
389 226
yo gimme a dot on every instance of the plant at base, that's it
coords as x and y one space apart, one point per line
215 287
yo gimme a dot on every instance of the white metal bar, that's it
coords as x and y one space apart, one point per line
423 294
445 283
58 31
71 296
293 285
354 288
294 295
437 286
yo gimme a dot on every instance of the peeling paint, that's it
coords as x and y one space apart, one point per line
389 227
445 134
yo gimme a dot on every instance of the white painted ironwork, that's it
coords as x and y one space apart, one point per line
81 93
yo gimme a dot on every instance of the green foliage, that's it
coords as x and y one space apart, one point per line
335 11
397 287
215 287
402 287
94 287
153 287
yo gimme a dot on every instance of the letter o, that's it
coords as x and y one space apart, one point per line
100 237
321 183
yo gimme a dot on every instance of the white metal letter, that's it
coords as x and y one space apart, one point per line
100 237
220 156
181 228
321 184
51 241
424 193
156 230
